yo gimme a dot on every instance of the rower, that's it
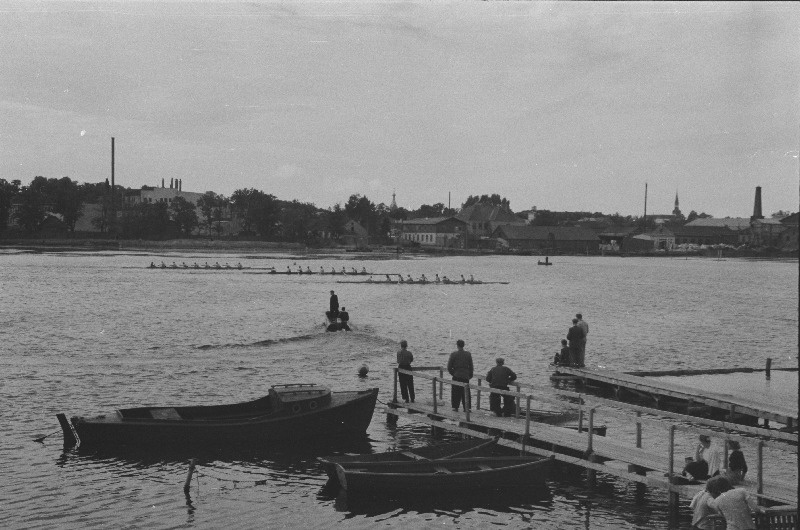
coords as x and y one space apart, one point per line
321 270
288 270
369 279
471 279
344 271
423 279
388 279
174 265
363 270
196 266
437 278
152 265
462 279
217 265
333 271
184 265
239 265
410 279
355 271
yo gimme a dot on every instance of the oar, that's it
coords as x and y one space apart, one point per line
41 440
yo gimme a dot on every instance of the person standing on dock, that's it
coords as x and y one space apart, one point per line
499 377
575 337
404 360
707 460
585 327
460 367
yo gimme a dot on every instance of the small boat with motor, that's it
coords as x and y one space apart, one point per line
288 412
546 261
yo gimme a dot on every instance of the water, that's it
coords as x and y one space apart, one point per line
85 333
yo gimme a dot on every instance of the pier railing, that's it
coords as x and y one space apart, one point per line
587 407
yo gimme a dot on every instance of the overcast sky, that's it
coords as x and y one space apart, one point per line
565 106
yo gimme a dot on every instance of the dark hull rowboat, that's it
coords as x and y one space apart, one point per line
289 412
472 447
434 476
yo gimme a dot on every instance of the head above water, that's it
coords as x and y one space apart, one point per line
460 343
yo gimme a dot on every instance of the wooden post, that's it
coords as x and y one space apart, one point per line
188 483
760 469
516 406
580 414
769 368
441 385
638 429
590 448
478 396
527 419
394 397
435 403
673 495
467 401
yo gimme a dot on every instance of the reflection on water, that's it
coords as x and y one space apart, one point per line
88 333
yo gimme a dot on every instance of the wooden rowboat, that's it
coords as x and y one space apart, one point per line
435 476
288 412
471 447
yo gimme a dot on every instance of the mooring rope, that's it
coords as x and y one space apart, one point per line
42 438
236 481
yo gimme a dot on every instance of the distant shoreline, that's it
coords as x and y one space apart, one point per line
223 246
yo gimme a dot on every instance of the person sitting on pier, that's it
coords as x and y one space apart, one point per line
404 360
562 358
499 377
707 460
344 317
737 467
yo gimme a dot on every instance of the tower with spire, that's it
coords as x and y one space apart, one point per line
677 211
394 203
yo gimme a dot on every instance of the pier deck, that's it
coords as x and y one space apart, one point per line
661 393
580 445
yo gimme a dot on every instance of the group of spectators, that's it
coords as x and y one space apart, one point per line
573 348
461 369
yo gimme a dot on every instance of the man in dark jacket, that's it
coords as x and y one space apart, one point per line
499 377
333 314
575 337
344 317
460 367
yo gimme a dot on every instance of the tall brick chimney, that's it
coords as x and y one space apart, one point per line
757 205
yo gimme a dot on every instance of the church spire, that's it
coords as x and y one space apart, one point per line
677 211
394 203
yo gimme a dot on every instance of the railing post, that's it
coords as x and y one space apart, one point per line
580 414
590 448
478 396
527 418
394 396
638 429
673 497
671 453
441 385
467 401
435 403
516 405
760 470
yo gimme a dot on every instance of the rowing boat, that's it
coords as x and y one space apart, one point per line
471 447
288 412
428 477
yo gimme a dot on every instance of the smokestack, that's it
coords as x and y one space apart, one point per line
757 205
170 183
180 185
162 182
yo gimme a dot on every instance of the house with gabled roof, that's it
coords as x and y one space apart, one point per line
442 232
547 239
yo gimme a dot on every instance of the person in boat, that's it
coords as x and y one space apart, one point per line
174 265
239 265
437 279
206 266
363 270
344 270
459 366
400 278
152 265
423 279
471 279
184 265
388 279
333 313
575 337
409 279
333 271
217 265
369 279
288 270
499 377
445 279
344 318
355 271
462 279
406 381
308 270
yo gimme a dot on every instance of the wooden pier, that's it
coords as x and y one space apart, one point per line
672 396
618 454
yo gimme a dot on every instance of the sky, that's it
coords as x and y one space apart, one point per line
565 106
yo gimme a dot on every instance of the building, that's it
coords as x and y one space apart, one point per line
483 219
659 239
150 194
547 239
709 235
441 232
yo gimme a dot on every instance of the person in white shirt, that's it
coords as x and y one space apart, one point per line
735 504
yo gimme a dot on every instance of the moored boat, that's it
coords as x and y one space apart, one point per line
288 412
471 447
434 476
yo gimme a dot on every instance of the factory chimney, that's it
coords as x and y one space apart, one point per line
757 205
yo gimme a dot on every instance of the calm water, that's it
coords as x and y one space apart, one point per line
87 333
